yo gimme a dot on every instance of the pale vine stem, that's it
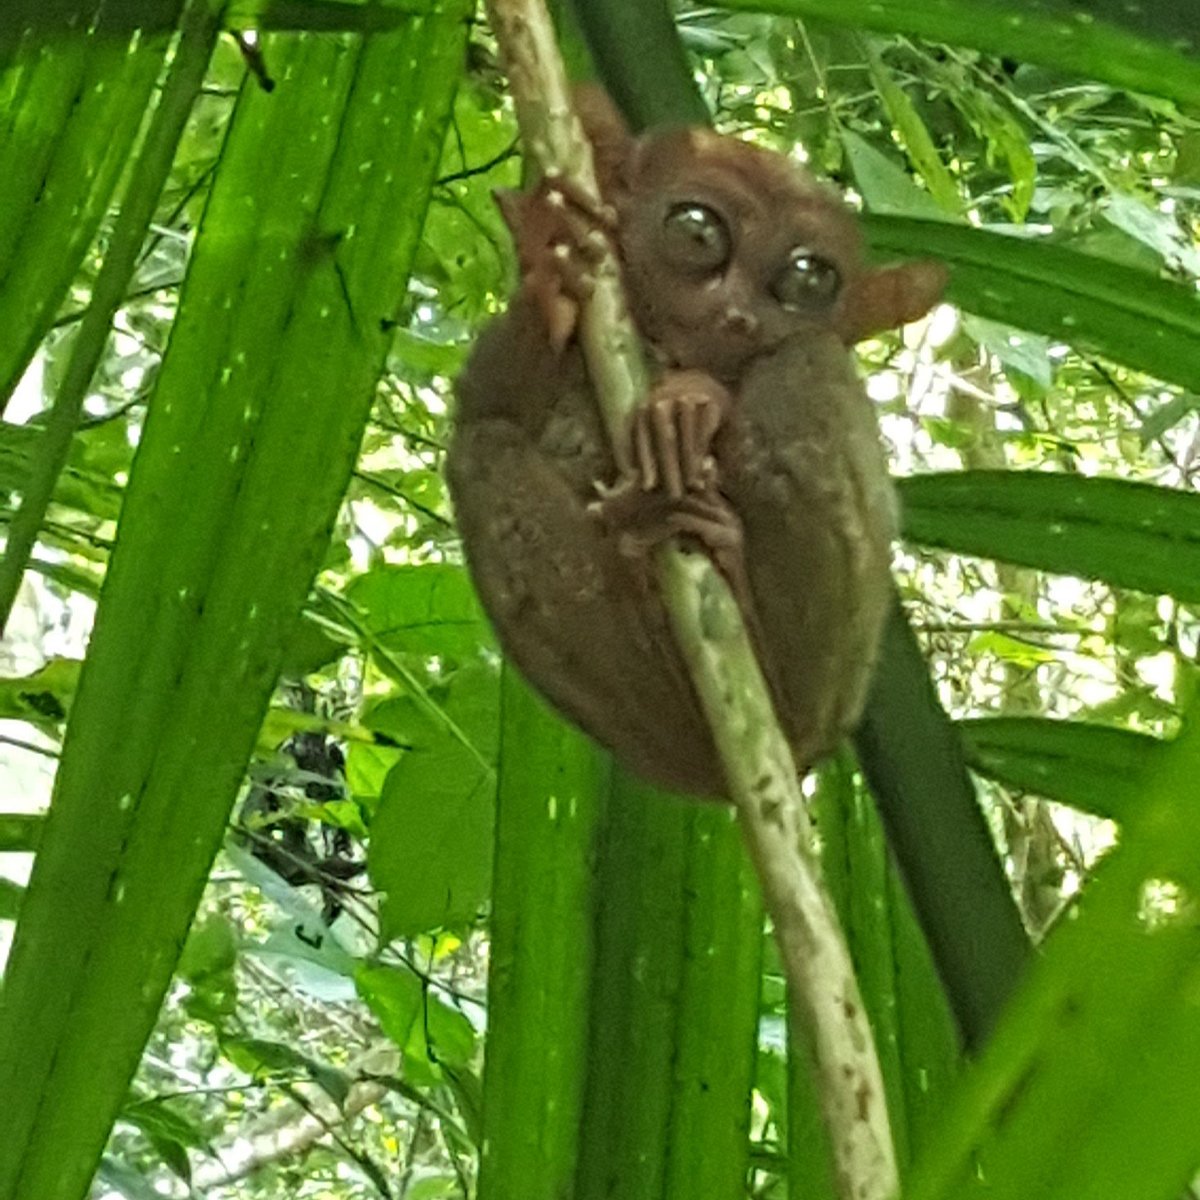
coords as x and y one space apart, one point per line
824 995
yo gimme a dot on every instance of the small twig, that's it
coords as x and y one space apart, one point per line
31 747
376 481
509 151
708 626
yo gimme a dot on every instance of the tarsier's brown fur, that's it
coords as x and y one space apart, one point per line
757 443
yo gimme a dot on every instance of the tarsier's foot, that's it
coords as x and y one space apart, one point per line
561 235
712 521
642 521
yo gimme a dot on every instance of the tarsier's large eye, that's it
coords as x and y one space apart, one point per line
806 282
696 237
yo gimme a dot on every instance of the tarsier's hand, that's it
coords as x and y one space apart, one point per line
672 434
561 235
669 479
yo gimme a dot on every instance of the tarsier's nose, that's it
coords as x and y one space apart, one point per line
739 321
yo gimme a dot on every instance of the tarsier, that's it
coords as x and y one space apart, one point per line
757 443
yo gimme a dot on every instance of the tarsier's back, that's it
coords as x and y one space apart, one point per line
758 444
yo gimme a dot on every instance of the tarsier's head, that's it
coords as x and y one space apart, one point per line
729 248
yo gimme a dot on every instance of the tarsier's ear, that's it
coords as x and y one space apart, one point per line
887 297
612 143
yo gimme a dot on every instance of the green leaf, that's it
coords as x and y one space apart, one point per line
1005 139
156 1118
20 832
1132 535
211 948
43 698
1090 1086
434 1187
72 110
60 18
914 137
11 895
1130 46
917 1040
1020 351
87 483
623 983
368 764
147 174
1103 307
128 1182
431 839
885 186
306 240
310 648
261 1057
1166 416
418 358
552 787
913 760
1010 649
314 956
673 1001
1097 769
426 1031
639 57
1156 230
426 610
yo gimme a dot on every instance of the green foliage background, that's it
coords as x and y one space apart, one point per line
236 284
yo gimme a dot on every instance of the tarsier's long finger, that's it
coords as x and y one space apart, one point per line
645 463
711 418
711 506
666 438
716 535
691 451
594 245
574 271
711 415
567 192
709 518
698 422
561 314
